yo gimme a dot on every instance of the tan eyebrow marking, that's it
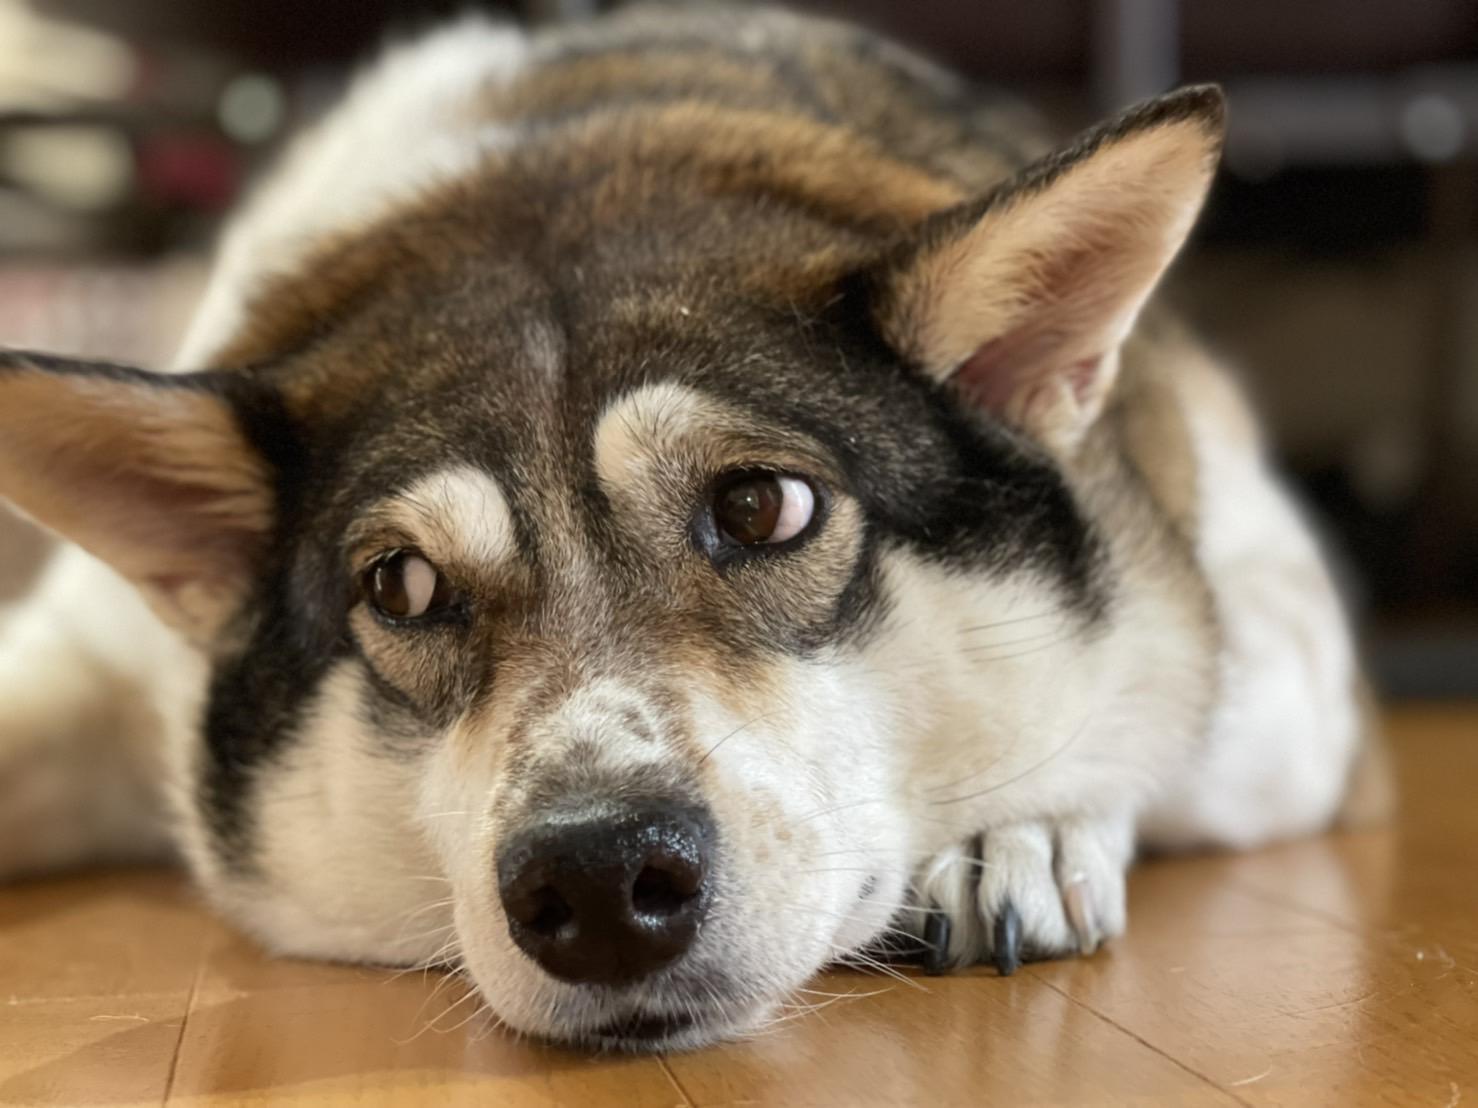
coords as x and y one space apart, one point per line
456 515
663 423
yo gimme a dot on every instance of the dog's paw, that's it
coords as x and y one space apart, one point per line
1023 892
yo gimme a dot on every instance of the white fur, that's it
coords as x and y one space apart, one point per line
345 872
803 765
1286 726
99 705
405 126
980 708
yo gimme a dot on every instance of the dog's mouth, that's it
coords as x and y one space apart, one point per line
650 1024
639 1030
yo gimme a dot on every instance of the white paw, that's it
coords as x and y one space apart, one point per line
1024 891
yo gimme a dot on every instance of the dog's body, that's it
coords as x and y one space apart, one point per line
519 319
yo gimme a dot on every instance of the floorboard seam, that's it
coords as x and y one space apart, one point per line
174 1061
1382 935
676 1084
1321 914
1142 1041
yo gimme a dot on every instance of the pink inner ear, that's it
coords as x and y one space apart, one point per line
1070 310
1058 337
1003 373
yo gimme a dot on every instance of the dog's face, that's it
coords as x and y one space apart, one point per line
602 606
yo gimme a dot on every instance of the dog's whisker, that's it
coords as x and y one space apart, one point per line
492 1023
742 727
859 961
444 960
429 1025
985 654
1010 622
841 808
416 913
425 936
1052 756
1029 638
476 1012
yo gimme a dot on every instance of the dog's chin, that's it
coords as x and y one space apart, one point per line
648 1021
651 1031
652 1028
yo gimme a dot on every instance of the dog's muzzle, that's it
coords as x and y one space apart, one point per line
608 893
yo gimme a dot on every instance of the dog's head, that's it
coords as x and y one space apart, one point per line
599 569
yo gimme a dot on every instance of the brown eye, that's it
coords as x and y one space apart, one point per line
405 585
761 508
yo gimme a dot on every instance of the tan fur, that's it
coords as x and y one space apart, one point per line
84 455
1057 274
1053 601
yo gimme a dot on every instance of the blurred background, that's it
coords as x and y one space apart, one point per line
1338 263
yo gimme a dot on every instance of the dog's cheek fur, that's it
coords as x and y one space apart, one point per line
339 867
811 791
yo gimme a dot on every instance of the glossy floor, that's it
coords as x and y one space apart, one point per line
1340 971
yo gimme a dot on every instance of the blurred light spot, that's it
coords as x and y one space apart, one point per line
82 168
252 107
1433 128
43 60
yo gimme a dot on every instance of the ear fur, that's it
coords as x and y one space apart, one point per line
152 473
1023 298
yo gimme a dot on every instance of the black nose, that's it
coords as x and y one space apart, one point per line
607 897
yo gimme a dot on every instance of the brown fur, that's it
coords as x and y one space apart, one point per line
649 256
162 484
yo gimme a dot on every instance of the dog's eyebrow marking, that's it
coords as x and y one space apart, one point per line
657 425
458 514
646 422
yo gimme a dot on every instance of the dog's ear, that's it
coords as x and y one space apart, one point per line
154 474
1023 298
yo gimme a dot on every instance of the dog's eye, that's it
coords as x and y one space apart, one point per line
404 585
755 508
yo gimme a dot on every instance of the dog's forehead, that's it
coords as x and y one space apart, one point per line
520 374
533 277
494 327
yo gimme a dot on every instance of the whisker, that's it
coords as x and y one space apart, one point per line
430 1025
839 808
984 652
1051 756
743 726
479 1010
858 960
426 935
846 995
998 623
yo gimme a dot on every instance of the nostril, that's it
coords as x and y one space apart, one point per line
665 889
611 896
550 912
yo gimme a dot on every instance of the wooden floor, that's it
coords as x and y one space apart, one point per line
1342 971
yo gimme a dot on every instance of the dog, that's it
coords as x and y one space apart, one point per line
653 507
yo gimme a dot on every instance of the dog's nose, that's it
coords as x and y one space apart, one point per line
607 898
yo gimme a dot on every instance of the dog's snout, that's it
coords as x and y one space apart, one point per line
608 898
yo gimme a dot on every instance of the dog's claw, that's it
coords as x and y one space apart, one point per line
1080 916
936 943
1037 889
1006 951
